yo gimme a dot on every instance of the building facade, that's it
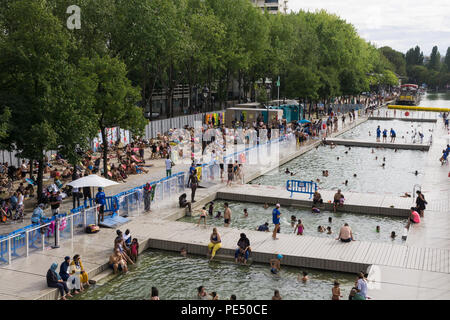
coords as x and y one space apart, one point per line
273 6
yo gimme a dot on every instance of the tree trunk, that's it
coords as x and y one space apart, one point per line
31 168
40 176
105 151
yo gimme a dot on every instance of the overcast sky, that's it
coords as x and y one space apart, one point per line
400 24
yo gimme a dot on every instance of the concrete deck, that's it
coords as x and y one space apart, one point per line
379 204
374 144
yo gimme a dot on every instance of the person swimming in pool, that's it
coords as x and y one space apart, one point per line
275 264
345 182
287 171
245 213
314 209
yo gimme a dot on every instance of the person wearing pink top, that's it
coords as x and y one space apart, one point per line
414 217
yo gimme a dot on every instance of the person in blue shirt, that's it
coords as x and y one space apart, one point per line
276 220
378 133
263 227
38 214
100 198
384 135
393 135
13 200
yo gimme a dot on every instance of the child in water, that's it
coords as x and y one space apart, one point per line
245 213
134 249
336 291
329 230
299 228
320 229
293 220
314 209
304 277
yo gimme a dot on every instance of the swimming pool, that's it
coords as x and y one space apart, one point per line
363 225
178 277
367 130
396 177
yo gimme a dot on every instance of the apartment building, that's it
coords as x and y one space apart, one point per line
273 6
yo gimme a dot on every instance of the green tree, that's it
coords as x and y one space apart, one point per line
115 98
34 76
396 58
435 59
414 56
447 61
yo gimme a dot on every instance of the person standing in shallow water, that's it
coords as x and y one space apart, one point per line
276 220
227 215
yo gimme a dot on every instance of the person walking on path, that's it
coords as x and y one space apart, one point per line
215 244
147 197
100 198
276 220
193 183
75 197
169 165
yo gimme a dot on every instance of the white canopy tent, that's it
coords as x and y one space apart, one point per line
92 180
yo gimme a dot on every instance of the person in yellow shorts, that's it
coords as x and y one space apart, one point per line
215 244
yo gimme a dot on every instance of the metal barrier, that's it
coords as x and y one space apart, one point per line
298 186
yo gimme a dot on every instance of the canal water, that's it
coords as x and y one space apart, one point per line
363 225
178 277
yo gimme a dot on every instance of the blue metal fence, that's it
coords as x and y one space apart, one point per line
297 186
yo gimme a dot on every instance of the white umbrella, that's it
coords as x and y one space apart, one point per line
92 180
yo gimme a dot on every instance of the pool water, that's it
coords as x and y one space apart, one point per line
397 177
367 131
177 278
363 225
